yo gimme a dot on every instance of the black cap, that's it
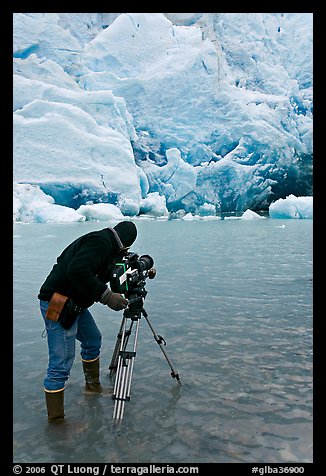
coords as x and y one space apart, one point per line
127 232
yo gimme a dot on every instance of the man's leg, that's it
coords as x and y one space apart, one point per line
61 346
90 339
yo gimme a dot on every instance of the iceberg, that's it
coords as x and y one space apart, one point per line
250 215
100 212
292 207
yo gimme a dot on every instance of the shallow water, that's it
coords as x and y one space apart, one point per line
233 300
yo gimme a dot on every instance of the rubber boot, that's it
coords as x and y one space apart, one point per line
55 405
92 376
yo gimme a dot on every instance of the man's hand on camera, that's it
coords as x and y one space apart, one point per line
115 301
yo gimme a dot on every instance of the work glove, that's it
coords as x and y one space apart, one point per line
115 301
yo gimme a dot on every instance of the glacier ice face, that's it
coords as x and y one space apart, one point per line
41 34
174 180
154 204
205 110
64 143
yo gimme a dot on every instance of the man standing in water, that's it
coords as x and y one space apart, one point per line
80 274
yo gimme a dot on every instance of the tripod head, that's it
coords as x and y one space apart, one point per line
129 278
136 301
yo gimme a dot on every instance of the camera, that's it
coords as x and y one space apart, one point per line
129 274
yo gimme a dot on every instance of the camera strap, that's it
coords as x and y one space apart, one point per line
117 237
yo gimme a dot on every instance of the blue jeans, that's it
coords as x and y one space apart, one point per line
62 346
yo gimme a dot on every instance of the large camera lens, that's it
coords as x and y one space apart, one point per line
146 262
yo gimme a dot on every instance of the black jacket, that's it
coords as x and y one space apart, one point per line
83 268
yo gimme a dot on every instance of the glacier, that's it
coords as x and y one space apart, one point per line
161 114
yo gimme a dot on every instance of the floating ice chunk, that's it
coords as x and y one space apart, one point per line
250 215
100 212
56 214
292 207
211 217
188 216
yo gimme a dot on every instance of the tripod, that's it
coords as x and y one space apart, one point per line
122 362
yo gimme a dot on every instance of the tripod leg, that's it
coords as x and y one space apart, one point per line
122 385
133 360
123 334
121 391
114 360
159 340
